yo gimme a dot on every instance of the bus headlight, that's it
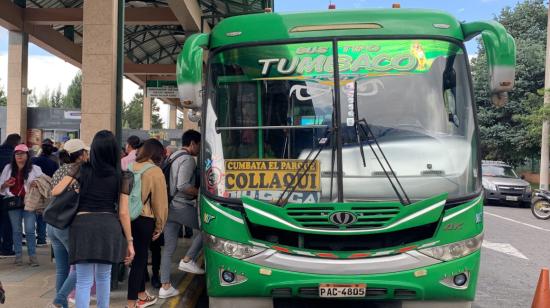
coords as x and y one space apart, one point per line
232 249
454 250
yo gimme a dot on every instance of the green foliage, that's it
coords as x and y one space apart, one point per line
74 93
57 98
512 133
3 97
132 113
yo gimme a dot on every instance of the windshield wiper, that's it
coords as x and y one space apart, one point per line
307 163
365 128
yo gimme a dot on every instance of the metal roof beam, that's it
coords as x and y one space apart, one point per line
11 16
189 15
55 43
146 69
73 16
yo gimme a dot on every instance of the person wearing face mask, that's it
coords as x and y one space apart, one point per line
16 179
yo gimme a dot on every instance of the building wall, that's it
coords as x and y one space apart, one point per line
69 120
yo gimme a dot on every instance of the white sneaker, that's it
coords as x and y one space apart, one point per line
171 292
190 267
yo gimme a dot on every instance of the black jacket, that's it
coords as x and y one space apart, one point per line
6 153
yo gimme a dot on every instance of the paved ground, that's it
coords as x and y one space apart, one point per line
515 249
28 287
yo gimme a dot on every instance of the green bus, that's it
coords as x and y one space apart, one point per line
341 155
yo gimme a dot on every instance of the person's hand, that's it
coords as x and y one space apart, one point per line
9 183
156 235
130 253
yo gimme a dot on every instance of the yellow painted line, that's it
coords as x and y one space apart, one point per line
174 302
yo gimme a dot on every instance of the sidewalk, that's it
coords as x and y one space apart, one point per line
34 287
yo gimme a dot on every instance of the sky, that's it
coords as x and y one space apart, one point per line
49 72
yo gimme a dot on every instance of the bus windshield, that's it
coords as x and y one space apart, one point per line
269 108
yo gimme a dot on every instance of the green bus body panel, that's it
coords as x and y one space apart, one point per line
499 45
189 70
256 28
427 211
427 287
459 223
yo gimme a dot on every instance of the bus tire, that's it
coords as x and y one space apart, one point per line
240 302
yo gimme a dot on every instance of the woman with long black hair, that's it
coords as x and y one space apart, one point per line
16 179
96 235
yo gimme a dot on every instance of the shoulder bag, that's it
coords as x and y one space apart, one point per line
62 209
14 202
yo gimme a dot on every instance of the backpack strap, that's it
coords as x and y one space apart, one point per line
145 167
171 160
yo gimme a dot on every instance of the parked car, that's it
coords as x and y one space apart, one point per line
501 184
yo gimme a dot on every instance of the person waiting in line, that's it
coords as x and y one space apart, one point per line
181 212
16 179
49 165
132 145
77 153
96 235
149 225
6 235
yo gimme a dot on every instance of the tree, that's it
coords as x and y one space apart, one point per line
44 99
132 113
3 97
74 93
510 133
57 98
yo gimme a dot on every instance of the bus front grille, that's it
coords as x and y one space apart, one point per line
331 242
319 216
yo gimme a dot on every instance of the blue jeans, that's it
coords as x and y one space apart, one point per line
84 279
65 281
40 229
16 218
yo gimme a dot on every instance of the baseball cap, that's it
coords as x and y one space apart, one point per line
21 148
75 145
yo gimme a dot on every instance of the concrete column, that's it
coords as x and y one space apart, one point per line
173 120
147 113
99 67
17 84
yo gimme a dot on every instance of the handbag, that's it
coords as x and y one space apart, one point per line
14 202
62 209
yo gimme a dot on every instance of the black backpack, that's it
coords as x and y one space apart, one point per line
166 167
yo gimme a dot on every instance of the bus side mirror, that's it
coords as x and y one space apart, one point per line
501 57
189 70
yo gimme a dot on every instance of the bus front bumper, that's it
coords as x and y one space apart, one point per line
430 282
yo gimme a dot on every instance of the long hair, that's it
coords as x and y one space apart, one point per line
151 149
26 168
104 160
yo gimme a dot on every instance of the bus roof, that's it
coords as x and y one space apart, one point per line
265 27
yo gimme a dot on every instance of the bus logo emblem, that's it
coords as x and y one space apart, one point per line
342 218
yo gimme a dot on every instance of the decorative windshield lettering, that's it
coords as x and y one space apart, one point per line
270 175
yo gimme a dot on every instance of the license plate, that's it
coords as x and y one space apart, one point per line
342 290
512 198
